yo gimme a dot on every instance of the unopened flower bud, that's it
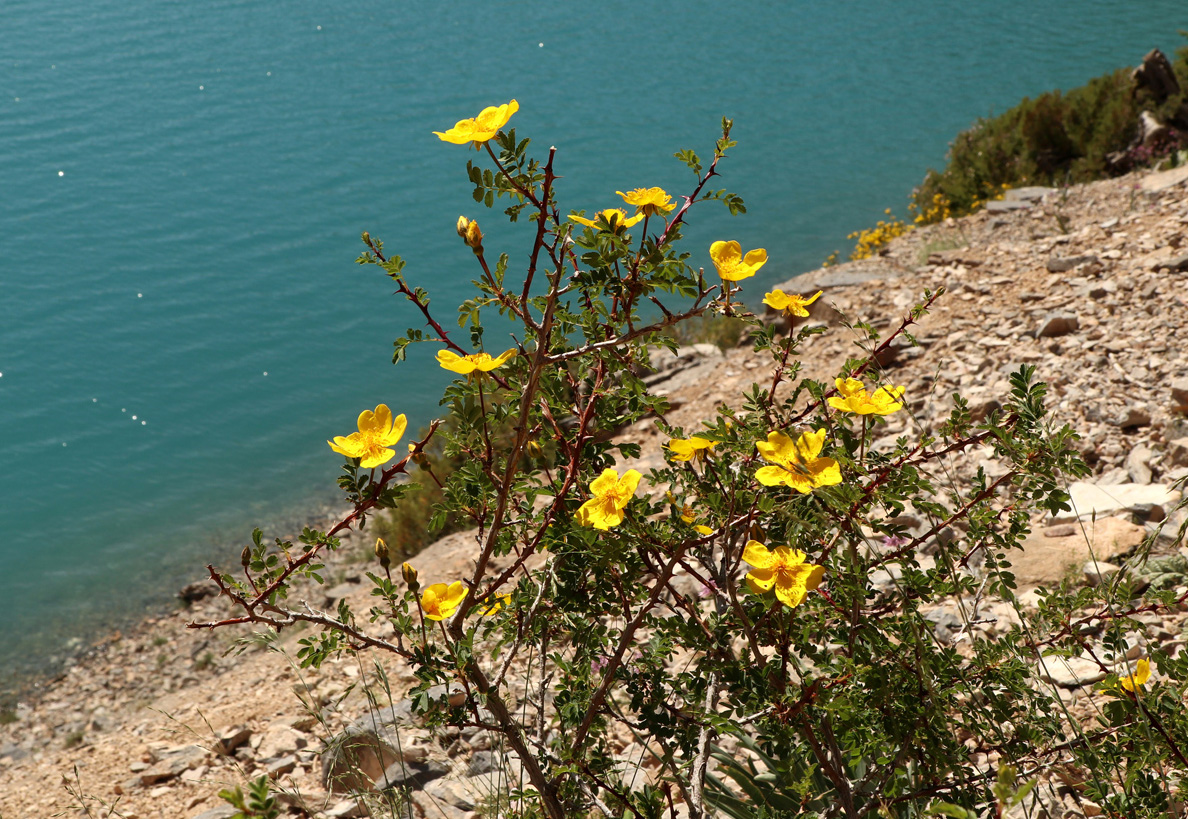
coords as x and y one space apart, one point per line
381 551
410 576
463 224
474 237
245 557
534 449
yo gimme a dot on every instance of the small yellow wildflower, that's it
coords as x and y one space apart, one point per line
499 602
797 463
467 364
648 201
611 496
703 530
688 514
482 128
732 265
686 449
440 601
794 304
615 217
1136 679
853 398
378 430
785 569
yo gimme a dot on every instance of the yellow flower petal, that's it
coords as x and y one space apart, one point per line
685 449
449 360
791 594
1138 677
399 425
439 601
648 201
852 397
730 263
377 431
611 496
783 568
467 364
496 363
482 128
498 603
796 305
761 580
615 218
758 555
345 445
797 463
604 482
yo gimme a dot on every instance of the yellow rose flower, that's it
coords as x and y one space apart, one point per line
466 364
615 217
798 464
785 569
499 602
611 496
732 265
1136 679
648 201
794 304
686 449
482 128
853 398
377 431
439 601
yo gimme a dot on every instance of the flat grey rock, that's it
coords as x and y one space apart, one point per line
1091 499
847 275
1033 193
1070 672
1006 205
1063 264
411 774
1058 324
221 812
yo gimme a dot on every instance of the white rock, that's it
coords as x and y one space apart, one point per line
1070 672
1090 499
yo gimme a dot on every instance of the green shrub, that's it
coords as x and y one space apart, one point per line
1055 139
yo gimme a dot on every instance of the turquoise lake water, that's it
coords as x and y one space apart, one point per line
182 187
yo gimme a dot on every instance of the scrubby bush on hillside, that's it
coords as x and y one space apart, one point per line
730 599
1057 138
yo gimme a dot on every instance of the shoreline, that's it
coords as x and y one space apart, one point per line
24 683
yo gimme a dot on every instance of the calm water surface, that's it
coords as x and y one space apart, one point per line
182 186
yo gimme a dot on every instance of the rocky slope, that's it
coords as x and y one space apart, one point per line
1088 284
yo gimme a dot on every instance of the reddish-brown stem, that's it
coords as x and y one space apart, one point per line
524 193
541 226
